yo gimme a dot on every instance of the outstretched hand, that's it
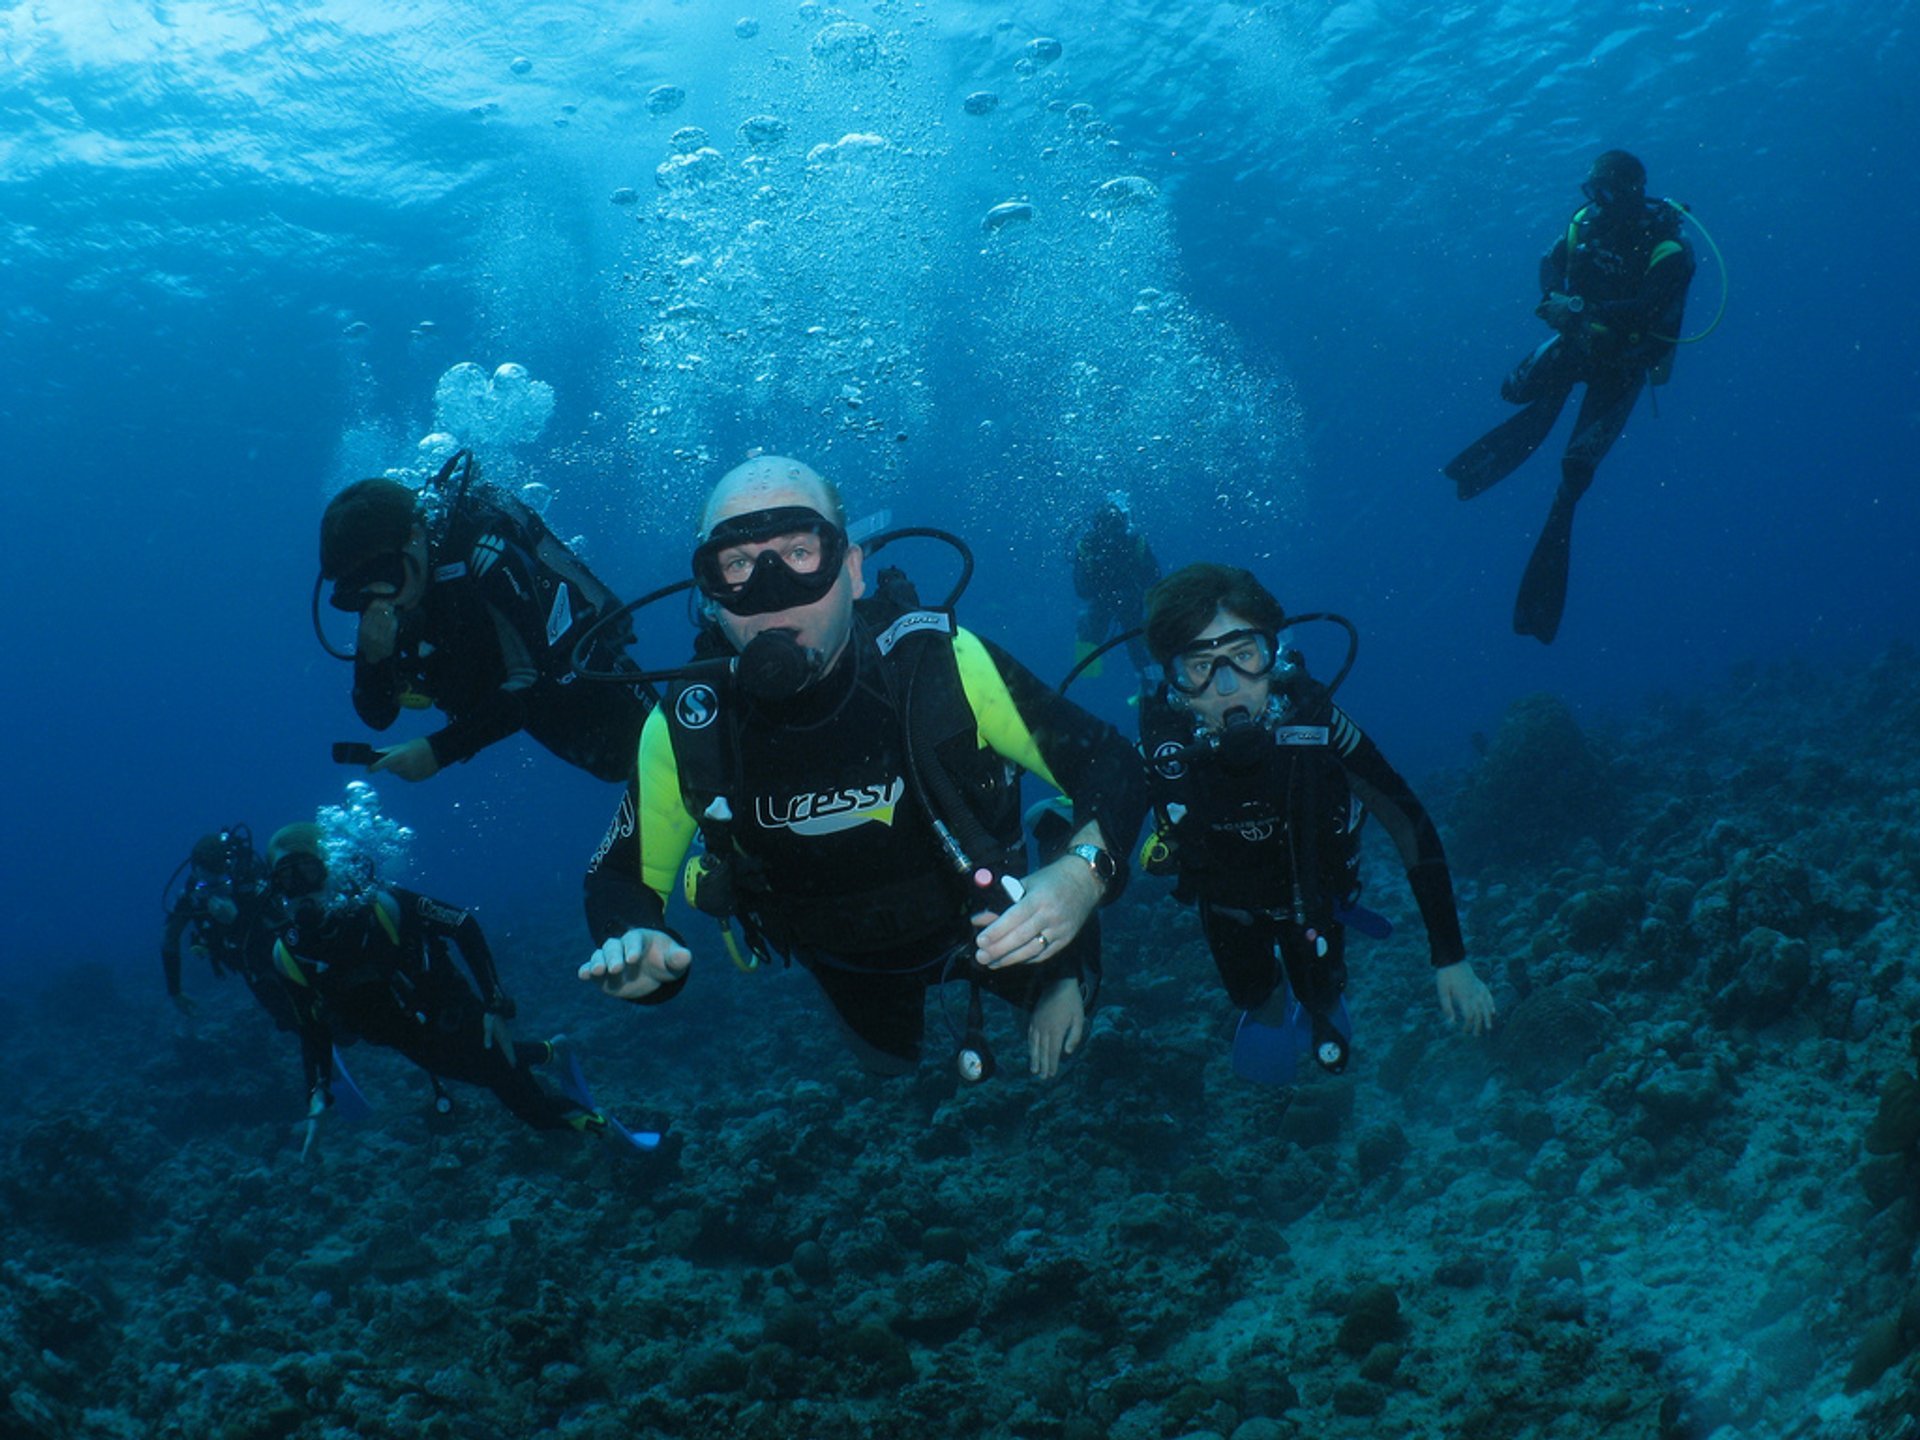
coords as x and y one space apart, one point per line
634 965
1464 998
410 760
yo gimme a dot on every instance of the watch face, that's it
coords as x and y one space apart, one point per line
1099 859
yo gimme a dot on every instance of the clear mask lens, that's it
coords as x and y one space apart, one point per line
1222 661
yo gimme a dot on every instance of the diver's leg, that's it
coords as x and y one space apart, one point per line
1603 415
1316 966
452 1046
1541 384
1604 409
882 1017
1242 949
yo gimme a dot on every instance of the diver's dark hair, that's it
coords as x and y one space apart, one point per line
1184 604
368 519
1621 169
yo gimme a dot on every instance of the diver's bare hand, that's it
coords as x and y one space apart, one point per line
379 631
1464 998
1056 1027
410 760
1059 898
634 965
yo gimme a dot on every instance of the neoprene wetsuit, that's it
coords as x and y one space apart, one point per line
1269 853
381 972
491 642
839 867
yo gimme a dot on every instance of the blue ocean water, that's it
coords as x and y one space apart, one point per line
1277 259
243 244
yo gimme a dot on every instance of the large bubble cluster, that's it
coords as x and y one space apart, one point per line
363 848
858 250
491 412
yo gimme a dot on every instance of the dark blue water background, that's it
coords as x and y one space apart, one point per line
222 225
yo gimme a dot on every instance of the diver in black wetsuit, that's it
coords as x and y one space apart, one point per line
1112 570
1259 784
225 909
375 967
1613 288
821 771
475 612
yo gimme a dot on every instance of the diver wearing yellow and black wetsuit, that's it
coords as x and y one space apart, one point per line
1613 288
830 839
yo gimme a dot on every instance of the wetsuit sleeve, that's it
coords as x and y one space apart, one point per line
178 919
446 922
504 711
1086 584
316 1038
1553 268
632 873
1026 721
1412 830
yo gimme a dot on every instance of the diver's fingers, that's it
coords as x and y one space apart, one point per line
1076 1032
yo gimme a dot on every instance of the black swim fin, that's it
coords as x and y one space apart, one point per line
1505 448
1543 589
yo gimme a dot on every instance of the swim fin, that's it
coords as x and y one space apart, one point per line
1270 1042
349 1101
1505 448
1543 589
1370 923
573 1085
1082 649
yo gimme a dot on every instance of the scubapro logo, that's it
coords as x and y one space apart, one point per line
697 707
1166 759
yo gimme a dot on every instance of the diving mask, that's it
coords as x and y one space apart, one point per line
802 556
1222 661
297 873
381 578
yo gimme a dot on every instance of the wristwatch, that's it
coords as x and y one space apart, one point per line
1099 860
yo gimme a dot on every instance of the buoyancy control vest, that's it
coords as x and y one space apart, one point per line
851 830
1613 266
486 525
1279 835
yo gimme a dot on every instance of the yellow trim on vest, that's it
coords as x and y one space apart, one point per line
1662 251
998 725
666 829
288 966
385 913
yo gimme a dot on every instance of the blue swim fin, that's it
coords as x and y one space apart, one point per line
349 1101
1270 1042
573 1085
1369 923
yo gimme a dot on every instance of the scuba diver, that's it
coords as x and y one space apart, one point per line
370 963
468 602
852 772
1613 288
223 910
1260 784
1112 570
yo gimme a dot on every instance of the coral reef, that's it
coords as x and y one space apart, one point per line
1676 1195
